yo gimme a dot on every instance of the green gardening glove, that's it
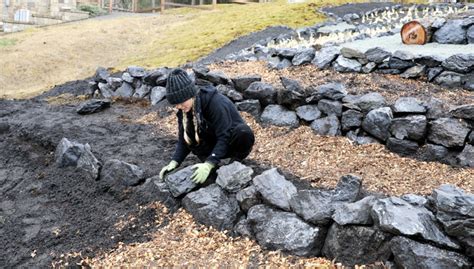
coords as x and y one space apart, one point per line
170 167
202 172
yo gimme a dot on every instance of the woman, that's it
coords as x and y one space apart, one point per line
209 126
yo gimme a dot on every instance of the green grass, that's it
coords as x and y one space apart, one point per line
5 42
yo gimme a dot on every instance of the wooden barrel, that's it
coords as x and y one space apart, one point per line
416 33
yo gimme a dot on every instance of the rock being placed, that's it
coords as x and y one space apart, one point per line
448 132
277 230
274 188
353 245
397 216
212 207
122 173
69 153
377 122
93 106
180 182
279 116
234 176
329 126
411 254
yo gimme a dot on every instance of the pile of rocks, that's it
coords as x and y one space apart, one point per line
429 129
341 223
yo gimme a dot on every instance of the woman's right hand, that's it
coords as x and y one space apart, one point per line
170 167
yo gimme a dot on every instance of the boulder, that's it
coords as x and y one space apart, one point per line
377 55
279 63
411 254
334 91
452 32
234 95
399 64
242 228
277 230
466 157
142 92
432 73
352 245
329 126
366 102
156 76
252 107
117 172
287 53
351 53
463 112
105 90
330 107
414 72
234 176
126 90
345 65
435 108
409 127
408 105
211 206
248 198
93 106
154 189
70 153
241 83
303 56
263 92
470 35
429 61
292 94
449 79
460 63
433 152
308 112
324 57
157 94
448 132
415 200
126 77
467 81
377 122
397 216
279 116
404 55
402 147
114 83
136 71
351 119
369 67
274 188
101 75
180 182
354 213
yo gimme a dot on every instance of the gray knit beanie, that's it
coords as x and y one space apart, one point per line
179 87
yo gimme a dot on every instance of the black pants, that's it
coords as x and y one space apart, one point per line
240 144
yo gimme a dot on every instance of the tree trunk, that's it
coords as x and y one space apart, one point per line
416 32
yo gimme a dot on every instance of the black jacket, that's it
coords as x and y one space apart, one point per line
218 116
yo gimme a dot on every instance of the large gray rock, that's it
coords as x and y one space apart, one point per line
114 83
467 81
351 53
126 90
399 64
414 72
455 210
404 55
432 73
308 112
288 53
154 189
142 91
157 94
466 157
101 75
377 122
449 79
334 91
126 77
470 34
317 206
70 153
105 90
136 71
434 152
279 116
397 216
329 126
429 60
408 105
180 181
275 189
241 83
330 107
367 101
369 67
211 206
157 77
248 197
448 132
452 32
463 112
234 176
351 119
242 228
402 147
292 94
461 63
355 213
263 92
414 199
216 77
411 254
377 55
93 106
324 57
117 172
436 108
409 127
344 65
252 107
277 230
303 56
353 245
